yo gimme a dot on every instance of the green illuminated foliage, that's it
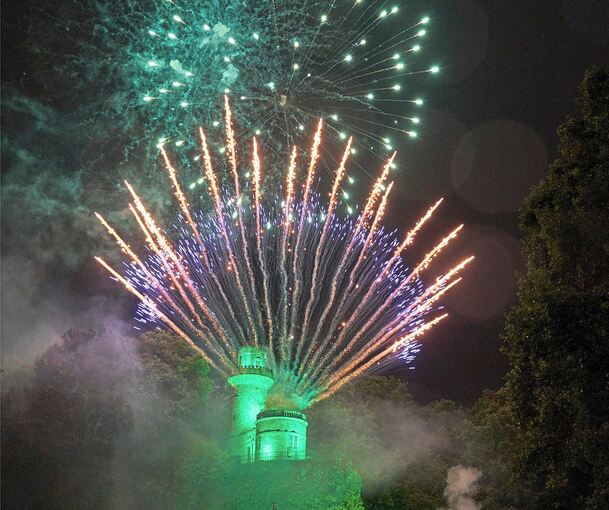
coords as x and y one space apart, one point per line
311 485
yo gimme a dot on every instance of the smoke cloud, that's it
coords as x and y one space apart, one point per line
377 426
461 486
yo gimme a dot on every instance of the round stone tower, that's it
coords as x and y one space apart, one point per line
281 434
251 382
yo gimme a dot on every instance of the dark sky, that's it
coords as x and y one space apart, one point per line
510 71
509 79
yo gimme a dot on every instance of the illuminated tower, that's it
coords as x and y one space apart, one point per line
258 433
251 383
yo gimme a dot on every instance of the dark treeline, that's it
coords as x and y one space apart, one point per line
108 421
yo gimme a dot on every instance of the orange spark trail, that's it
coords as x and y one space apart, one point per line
327 296
123 245
380 212
362 256
166 249
150 304
182 201
232 158
295 298
376 189
211 175
339 383
415 230
214 192
435 291
260 251
312 164
231 147
186 210
334 285
153 280
146 222
395 327
332 203
424 264
289 195
287 220
383 307
412 234
170 273
151 242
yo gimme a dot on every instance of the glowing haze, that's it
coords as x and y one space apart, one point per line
328 296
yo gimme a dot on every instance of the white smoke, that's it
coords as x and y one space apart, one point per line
461 485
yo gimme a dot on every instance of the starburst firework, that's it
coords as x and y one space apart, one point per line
284 63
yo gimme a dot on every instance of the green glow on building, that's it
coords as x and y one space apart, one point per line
281 434
260 434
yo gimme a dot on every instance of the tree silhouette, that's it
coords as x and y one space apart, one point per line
557 336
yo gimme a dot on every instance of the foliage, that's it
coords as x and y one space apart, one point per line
310 485
59 436
174 370
489 435
198 467
557 337
166 427
401 450
103 423
170 404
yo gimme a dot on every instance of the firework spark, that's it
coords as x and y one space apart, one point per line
328 296
358 65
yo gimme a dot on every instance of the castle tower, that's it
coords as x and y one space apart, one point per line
251 382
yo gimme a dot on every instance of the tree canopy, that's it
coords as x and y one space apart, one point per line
557 336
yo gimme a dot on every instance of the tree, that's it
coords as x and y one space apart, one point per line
557 336
60 435
401 450
105 422
172 370
173 425
489 434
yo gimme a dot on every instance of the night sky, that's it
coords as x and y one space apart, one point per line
510 72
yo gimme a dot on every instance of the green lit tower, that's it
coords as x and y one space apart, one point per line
259 433
251 383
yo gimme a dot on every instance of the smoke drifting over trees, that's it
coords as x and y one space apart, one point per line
461 487
113 420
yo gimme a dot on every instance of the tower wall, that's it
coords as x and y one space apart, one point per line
258 434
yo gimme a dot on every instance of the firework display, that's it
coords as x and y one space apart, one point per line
284 64
327 295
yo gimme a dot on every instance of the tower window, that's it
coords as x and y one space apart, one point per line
293 441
